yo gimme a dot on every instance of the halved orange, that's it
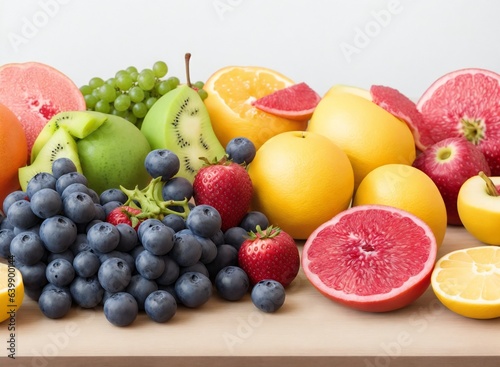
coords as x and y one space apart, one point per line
231 91
467 281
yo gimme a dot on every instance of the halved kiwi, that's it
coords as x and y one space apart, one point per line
60 144
179 122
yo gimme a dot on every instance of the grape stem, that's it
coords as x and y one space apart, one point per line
150 202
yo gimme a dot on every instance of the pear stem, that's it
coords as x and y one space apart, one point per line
187 57
490 186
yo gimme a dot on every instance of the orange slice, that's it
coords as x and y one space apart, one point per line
231 91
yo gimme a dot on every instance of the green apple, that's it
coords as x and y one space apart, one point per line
478 205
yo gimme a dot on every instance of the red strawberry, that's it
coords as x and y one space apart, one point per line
270 254
227 187
124 214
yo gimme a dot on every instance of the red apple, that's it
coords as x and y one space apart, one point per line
449 163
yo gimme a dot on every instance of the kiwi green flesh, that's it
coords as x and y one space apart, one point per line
179 121
79 124
60 144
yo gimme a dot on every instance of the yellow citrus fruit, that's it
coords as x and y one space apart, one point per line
369 135
467 281
408 188
300 180
231 91
11 291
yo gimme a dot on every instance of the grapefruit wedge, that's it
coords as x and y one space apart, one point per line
35 92
464 103
371 258
296 102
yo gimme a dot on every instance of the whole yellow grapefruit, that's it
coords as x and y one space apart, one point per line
301 180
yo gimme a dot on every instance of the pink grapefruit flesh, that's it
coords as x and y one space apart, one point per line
402 107
465 103
35 92
371 258
296 102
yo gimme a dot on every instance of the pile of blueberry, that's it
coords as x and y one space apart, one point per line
57 234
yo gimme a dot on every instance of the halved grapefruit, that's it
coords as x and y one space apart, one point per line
35 92
296 102
371 258
464 103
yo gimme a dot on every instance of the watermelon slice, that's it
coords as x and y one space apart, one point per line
296 102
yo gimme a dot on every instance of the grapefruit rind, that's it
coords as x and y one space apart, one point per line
330 238
447 286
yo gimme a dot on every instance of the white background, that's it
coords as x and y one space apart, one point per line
405 44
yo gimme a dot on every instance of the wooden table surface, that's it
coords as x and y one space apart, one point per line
309 330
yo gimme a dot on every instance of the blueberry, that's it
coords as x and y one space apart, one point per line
253 219
13 197
80 244
69 178
235 236
218 238
174 221
226 255
40 181
58 233
125 256
150 266
170 273
6 236
268 295
145 224
193 289
33 275
110 205
86 292
128 237
114 275
121 309
208 249
177 188
140 288
103 237
62 166
112 195
21 216
204 220
232 283
46 203
55 303
160 306
162 163
86 264
241 150
66 255
158 239
187 249
79 207
60 272
74 187
100 213
27 247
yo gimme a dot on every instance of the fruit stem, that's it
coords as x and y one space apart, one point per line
269 232
149 201
490 186
187 57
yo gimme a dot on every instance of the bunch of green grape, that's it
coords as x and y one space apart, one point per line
131 93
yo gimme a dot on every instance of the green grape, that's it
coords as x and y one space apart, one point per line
160 69
134 75
203 94
147 94
150 102
102 106
86 90
112 82
174 82
124 81
146 79
131 69
114 111
163 87
122 102
129 116
139 110
90 101
198 85
96 82
107 93
136 94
